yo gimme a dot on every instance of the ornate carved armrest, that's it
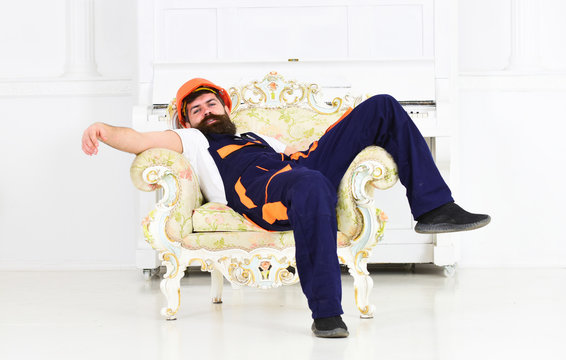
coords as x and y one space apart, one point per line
171 220
356 210
360 218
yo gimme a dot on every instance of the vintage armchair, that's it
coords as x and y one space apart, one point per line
187 231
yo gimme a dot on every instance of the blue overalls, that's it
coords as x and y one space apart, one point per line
298 192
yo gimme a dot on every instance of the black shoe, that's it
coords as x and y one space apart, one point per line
330 327
450 218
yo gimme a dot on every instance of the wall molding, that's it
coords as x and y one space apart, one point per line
67 87
525 35
80 39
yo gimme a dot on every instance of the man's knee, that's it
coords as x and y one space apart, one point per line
388 109
384 101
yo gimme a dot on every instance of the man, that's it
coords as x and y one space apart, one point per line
278 188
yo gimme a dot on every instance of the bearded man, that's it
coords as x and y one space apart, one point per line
278 188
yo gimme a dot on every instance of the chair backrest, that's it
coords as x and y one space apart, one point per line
286 110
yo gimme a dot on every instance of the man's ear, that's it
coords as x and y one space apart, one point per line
186 124
181 124
227 110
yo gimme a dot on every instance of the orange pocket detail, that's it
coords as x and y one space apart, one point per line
274 211
241 191
228 149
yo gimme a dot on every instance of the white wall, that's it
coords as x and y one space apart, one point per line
511 133
61 209
58 207
510 150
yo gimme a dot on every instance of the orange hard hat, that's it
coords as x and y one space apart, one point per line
196 84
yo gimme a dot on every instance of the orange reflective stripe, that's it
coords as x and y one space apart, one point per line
228 149
341 118
274 211
241 191
259 167
299 154
286 168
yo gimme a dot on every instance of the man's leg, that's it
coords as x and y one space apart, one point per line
310 202
382 121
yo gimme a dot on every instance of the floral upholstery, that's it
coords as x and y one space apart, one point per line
292 125
246 240
349 220
189 197
218 227
219 217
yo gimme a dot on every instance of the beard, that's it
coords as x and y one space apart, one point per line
222 125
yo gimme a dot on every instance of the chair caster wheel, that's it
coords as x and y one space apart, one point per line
149 273
449 270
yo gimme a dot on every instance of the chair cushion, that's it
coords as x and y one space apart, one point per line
246 240
218 227
219 217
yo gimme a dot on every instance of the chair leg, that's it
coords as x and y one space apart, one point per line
217 282
363 284
171 285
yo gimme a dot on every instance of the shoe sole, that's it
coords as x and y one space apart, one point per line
334 333
448 228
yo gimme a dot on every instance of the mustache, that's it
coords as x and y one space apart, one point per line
223 124
218 117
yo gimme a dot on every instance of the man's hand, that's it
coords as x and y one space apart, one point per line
91 135
289 150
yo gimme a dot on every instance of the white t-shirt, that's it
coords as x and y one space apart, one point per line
195 149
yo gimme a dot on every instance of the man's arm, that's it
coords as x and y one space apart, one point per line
128 140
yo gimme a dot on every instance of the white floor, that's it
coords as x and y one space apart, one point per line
477 314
